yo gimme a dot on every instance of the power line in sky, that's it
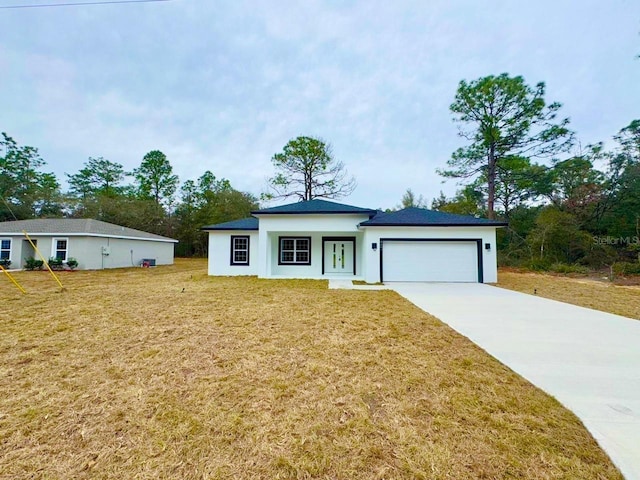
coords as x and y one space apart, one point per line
103 2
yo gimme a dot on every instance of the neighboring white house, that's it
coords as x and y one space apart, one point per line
322 239
94 244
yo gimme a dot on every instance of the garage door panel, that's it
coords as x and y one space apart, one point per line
430 261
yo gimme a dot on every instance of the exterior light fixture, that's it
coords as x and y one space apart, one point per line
374 246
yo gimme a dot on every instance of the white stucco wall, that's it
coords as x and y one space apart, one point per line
88 251
315 226
220 253
315 269
15 250
20 248
311 223
374 234
122 252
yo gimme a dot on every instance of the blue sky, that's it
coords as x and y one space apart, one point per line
223 85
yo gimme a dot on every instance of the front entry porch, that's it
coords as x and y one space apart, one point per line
316 255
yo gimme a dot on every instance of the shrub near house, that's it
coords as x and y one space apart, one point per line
56 264
33 264
59 264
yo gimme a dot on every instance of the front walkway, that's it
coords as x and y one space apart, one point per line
344 284
588 360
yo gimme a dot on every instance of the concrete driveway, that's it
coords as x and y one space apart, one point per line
588 360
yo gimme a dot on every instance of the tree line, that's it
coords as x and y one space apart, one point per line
151 198
565 205
520 162
148 198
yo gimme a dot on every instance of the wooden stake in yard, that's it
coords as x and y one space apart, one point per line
43 259
15 282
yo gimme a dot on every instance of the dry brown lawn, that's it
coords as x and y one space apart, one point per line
599 295
167 373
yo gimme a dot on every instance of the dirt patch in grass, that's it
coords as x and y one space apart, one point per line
600 295
168 373
362 282
628 281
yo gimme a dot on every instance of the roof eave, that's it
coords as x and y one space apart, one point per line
88 234
321 212
223 229
388 224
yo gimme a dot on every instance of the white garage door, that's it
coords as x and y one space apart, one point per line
429 261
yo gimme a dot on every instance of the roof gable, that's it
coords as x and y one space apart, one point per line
250 223
420 217
315 206
75 227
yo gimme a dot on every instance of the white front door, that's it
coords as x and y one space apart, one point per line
338 257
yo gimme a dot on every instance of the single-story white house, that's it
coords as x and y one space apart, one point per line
323 239
94 244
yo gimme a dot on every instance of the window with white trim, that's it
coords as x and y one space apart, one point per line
294 251
239 249
5 249
60 248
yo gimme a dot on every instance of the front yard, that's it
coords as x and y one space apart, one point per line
167 373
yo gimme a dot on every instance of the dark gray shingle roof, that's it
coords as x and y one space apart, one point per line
250 223
421 217
77 226
314 206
